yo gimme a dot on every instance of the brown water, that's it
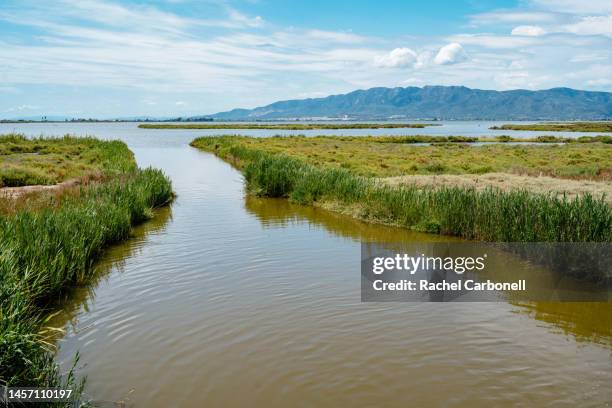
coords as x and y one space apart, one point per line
232 301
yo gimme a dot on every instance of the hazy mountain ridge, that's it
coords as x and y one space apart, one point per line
439 102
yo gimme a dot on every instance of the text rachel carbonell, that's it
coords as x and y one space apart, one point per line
459 265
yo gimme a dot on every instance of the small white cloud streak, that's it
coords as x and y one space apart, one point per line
528 31
493 41
513 16
592 25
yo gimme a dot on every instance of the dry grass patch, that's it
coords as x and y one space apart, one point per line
508 182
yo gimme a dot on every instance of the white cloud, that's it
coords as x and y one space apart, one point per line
335 36
424 59
588 57
600 82
246 21
592 25
493 41
21 108
513 16
450 54
528 31
398 58
513 79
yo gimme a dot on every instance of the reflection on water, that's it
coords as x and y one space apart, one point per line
277 212
585 321
113 260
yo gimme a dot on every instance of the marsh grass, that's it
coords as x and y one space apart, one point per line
44 252
489 215
25 161
429 139
48 244
389 156
560 127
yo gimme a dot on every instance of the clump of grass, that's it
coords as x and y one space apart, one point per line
49 247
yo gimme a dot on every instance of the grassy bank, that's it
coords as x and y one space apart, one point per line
48 244
392 156
428 139
560 127
284 126
490 215
52 160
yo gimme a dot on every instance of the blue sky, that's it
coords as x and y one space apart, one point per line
95 58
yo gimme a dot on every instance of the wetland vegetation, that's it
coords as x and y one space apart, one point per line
52 160
311 171
388 156
50 239
560 127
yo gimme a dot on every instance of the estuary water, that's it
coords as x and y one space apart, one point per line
226 300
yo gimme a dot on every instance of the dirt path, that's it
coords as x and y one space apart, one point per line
507 182
16 192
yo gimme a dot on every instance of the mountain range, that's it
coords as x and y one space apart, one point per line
437 102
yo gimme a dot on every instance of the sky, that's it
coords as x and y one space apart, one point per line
124 58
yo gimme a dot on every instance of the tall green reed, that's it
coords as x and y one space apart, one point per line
45 252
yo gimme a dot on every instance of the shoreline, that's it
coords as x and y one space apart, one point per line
51 235
489 215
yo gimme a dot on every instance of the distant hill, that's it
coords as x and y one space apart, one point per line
439 102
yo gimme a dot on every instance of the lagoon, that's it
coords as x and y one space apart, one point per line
167 324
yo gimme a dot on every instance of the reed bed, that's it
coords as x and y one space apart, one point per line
489 215
48 246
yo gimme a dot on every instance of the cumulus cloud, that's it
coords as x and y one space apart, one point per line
528 31
452 53
423 59
398 58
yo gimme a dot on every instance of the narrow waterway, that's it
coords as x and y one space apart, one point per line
229 300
